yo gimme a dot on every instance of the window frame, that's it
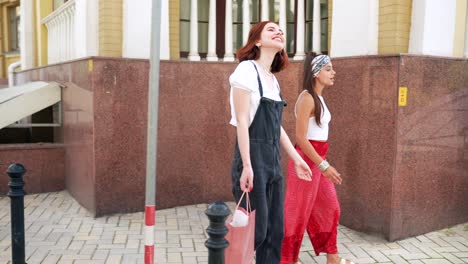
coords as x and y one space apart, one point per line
11 47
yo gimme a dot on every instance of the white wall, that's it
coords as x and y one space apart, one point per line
86 28
354 28
432 27
137 29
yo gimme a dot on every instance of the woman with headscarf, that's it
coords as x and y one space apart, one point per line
313 205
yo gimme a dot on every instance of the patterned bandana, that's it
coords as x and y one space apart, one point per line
318 63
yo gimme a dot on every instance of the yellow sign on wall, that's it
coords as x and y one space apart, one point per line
402 96
90 65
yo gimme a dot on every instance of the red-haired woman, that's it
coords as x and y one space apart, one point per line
313 205
256 108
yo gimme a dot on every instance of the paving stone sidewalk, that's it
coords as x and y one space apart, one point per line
59 230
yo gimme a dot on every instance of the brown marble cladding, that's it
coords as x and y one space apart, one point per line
44 163
120 88
195 142
290 81
104 134
362 140
77 131
431 178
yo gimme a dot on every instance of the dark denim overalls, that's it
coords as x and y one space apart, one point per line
267 196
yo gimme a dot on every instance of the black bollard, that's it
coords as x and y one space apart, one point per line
217 212
16 171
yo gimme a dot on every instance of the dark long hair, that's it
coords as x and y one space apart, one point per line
309 83
251 52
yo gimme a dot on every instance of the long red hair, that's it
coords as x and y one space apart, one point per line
251 52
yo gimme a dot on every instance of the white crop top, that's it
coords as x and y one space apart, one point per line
315 132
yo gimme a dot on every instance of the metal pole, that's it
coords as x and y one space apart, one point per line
217 212
152 135
16 193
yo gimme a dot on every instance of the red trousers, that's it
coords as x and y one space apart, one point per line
310 205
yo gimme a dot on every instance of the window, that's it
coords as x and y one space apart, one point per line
203 19
290 27
13 30
237 20
184 27
273 6
237 24
309 14
255 17
323 25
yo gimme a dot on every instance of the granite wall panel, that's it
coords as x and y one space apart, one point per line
404 168
431 175
44 163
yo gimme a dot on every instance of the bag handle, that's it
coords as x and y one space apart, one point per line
249 207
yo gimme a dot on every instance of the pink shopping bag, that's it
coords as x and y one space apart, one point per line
241 238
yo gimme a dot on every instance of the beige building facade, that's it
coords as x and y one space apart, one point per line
61 30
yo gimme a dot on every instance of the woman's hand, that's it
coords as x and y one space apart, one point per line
246 179
302 170
333 175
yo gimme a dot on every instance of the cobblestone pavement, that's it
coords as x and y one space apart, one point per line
59 230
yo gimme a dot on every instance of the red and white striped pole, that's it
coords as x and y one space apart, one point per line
149 234
152 135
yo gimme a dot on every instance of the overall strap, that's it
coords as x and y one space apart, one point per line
258 78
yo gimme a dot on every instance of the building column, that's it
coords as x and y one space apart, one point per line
85 28
282 19
356 35
228 55
193 54
373 35
460 28
27 34
245 21
430 20
211 56
265 10
300 55
68 33
165 50
466 34
136 43
316 33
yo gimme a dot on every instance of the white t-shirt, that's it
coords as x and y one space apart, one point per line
245 77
